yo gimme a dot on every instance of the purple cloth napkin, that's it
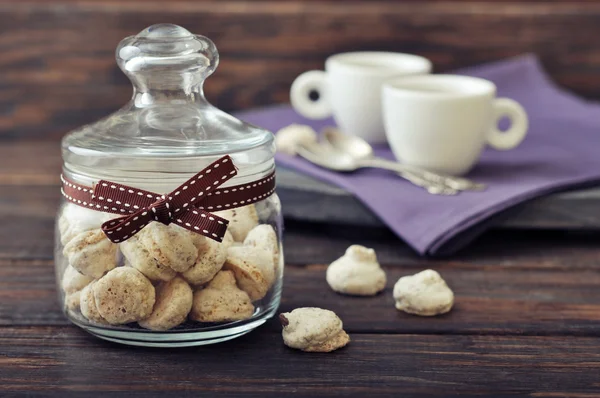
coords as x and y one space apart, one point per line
559 152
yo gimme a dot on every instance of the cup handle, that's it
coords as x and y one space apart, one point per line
503 140
314 80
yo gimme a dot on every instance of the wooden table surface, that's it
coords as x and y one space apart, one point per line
526 319
527 314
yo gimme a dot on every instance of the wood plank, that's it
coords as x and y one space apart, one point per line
59 71
30 163
28 220
539 295
487 301
53 361
28 294
526 250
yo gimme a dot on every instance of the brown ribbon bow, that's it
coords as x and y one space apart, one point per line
182 206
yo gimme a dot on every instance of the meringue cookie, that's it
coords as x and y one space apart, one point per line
264 236
357 273
91 253
73 281
124 295
241 221
253 269
172 306
73 301
139 258
289 138
170 245
221 301
72 284
313 330
211 257
76 219
88 305
425 294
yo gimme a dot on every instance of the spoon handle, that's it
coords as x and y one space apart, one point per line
436 188
457 183
316 157
432 188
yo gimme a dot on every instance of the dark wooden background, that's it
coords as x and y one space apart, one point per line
57 68
527 314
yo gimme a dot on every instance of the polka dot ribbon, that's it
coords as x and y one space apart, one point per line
188 206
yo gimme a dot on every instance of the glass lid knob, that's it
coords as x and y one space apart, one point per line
167 57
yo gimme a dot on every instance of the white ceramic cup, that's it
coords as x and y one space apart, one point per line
350 89
442 122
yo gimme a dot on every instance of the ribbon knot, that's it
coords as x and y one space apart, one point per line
177 207
162 211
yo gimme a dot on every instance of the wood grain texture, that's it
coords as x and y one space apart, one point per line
28 218
526 322
58 69
30 163
526 319
52 361
490 301
529 250
508 285
520 285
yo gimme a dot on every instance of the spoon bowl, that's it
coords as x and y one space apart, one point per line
361 150
327 156
351 145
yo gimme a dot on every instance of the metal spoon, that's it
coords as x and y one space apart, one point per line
326 156
361 151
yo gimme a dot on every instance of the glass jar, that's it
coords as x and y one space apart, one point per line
134 263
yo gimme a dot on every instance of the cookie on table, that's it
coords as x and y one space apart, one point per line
313 330
289 138
424 294
357 273
172 306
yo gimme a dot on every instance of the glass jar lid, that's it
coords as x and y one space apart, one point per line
168 130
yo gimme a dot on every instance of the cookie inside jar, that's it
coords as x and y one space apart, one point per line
169 233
